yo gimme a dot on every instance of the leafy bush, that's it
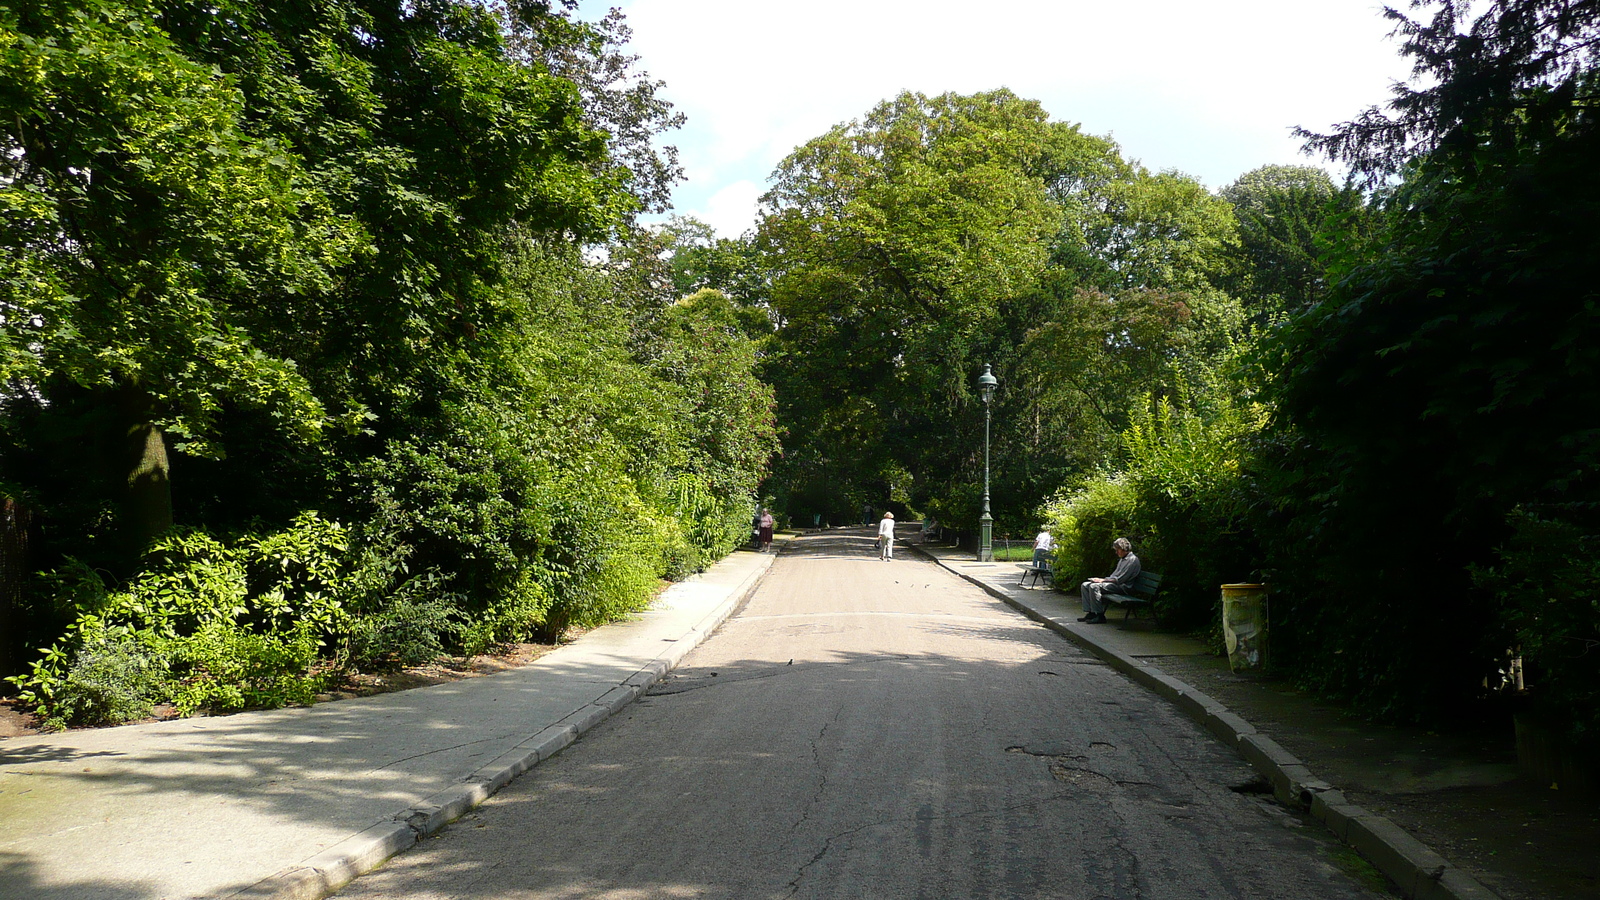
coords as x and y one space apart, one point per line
207 624
1548 583
116 676
1085 522
711 525
228 667
416 625
1185 469
1182 500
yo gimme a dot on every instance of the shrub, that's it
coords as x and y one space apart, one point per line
415 626
228 667
208 623
1085 522
1547 582
115 676
1185 469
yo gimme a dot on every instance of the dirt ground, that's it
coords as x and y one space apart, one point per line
16 721
1458 792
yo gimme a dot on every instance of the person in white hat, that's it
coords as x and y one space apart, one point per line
886 536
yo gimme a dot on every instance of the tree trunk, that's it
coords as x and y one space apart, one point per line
147 503
15 521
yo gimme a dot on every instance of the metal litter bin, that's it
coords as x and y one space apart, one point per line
1244 624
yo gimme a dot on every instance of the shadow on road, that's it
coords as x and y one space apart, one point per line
20 878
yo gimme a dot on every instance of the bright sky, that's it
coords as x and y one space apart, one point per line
1211 89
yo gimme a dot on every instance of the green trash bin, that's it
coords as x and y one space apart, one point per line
1244 625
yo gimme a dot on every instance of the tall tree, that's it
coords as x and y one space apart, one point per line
291 214
1452 376
1288 218
892 243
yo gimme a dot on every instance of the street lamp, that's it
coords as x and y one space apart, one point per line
986 384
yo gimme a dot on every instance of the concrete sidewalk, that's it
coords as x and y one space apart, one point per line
294 803
1416 869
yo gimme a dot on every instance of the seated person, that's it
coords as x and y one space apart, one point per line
1094 590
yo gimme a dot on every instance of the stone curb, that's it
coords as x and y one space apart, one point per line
366 850
1420 873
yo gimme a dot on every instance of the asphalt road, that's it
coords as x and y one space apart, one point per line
880 730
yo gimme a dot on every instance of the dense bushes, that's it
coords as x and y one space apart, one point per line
1181 497
1086 521
208 624
413 297
1547 579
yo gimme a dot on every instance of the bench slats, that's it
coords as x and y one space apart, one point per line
1143 590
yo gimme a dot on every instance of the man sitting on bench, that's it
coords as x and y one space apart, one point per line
1094 590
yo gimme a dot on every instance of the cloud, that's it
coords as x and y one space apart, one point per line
732 209
1211 89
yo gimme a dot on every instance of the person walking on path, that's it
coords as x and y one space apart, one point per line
886 536
1042 545
765 524
1094 590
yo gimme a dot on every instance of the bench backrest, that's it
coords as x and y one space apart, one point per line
1147 583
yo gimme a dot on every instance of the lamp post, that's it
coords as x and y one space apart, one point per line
986 384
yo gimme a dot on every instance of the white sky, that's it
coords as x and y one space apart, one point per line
1211 88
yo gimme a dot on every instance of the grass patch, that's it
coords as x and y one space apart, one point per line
1347 860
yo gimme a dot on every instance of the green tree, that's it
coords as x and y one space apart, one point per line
1288 216
893 244
1450 378
700 260
153 246
287 219
334 248
1131 308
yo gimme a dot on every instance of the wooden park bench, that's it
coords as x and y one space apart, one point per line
1029 570
1142 592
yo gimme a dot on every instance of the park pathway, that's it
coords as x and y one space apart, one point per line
880 730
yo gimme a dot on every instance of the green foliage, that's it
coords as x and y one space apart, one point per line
1182 498
1158 231
114 677
891 243
414 626
209 623
1547 582
336 256
907 249
226 667
1083 524
1450 375
1185 467
1288 218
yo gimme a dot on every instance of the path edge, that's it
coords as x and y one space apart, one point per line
1419 872
366 850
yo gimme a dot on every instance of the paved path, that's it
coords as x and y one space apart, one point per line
881 730
290 802
1152 659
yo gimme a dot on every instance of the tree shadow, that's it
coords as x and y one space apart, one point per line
20 878
1037 773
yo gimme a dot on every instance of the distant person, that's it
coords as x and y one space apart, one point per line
866 513
1094 590
930 527
1042 545
816 521
764 525
886 537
